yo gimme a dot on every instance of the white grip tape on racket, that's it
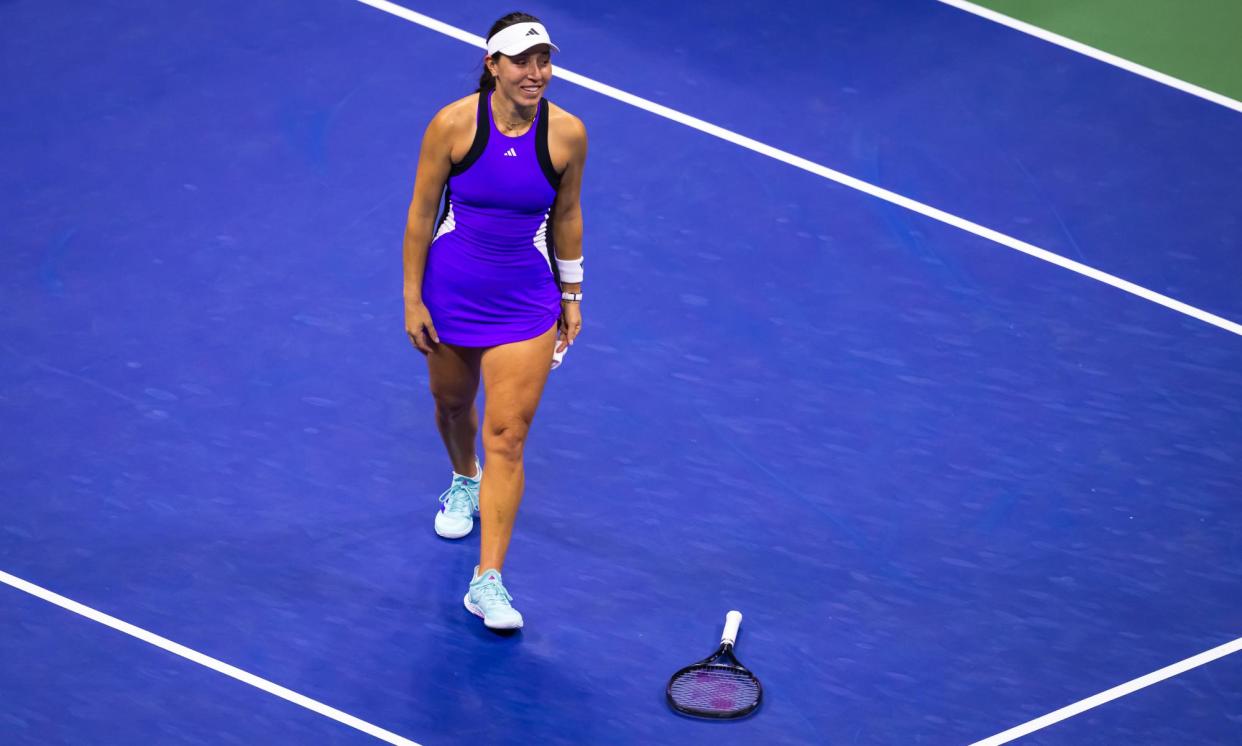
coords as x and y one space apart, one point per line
733 620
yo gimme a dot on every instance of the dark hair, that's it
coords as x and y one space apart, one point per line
486 81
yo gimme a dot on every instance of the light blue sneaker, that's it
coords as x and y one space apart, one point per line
487 598
458 505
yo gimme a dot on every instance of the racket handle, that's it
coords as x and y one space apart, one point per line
733 620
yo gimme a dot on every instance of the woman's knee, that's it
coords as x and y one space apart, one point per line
452 406
453 398
506 438
454 383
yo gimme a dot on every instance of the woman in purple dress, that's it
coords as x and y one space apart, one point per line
491 282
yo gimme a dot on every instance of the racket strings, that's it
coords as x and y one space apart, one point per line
715 689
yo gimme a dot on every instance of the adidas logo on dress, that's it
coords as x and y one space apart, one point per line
511 152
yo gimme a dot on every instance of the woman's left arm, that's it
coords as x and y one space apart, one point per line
567 222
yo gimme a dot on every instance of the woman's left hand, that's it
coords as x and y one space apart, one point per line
569 325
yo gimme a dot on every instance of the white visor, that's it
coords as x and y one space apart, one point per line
515 39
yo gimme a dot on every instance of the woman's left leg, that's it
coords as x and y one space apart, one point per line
513 379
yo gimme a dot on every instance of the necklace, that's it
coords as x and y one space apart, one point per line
507 126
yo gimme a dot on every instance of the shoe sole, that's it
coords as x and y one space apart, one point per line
473 609
443 535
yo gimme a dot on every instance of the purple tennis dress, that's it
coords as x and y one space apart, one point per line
490 277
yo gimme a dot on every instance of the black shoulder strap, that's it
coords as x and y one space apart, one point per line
482 127
541 146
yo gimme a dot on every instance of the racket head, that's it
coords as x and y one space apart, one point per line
716 687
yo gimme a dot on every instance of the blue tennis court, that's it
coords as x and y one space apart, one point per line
952 487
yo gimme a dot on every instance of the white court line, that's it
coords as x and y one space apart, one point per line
832 175
204 660
1107 696
1096 54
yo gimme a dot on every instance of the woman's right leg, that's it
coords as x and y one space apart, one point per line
454 384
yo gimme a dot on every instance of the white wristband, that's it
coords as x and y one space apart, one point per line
570 270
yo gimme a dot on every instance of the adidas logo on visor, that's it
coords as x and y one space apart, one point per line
518 38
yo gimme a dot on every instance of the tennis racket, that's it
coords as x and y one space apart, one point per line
717 686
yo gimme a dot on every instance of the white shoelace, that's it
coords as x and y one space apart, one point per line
459 498
491 593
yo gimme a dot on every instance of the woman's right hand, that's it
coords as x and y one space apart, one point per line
418 325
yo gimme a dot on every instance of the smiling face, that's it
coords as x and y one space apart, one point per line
523 77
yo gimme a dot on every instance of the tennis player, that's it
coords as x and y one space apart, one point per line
493 286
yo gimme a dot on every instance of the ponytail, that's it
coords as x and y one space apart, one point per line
487 81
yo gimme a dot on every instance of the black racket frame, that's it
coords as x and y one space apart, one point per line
723 657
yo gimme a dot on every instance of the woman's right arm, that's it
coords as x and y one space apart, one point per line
434 163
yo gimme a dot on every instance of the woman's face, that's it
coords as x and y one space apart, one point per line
523 77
